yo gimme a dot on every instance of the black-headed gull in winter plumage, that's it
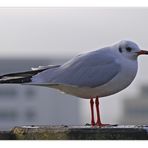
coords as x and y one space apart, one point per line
89 75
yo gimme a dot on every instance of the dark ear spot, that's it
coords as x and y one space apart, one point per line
120 49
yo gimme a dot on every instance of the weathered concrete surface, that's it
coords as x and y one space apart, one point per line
6 135
76 133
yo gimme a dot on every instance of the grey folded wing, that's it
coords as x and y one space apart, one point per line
87 70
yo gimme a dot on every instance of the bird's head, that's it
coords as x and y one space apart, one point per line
129 49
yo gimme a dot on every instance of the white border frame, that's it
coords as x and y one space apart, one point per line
73 3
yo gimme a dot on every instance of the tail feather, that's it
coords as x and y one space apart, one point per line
22 77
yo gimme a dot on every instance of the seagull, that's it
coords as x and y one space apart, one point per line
89 75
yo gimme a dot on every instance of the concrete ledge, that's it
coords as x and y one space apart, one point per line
76 133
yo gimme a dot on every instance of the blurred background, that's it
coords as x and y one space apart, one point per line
30 37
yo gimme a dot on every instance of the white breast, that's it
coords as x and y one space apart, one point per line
123 79
118 83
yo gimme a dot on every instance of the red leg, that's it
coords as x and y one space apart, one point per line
92 111
98 112
98 123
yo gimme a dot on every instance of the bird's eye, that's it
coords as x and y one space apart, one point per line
129 49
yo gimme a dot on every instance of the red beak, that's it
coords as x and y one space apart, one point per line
141 52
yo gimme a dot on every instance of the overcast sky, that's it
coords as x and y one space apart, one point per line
47 32
54 31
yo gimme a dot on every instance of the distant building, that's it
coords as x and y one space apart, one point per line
136 109
34 105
